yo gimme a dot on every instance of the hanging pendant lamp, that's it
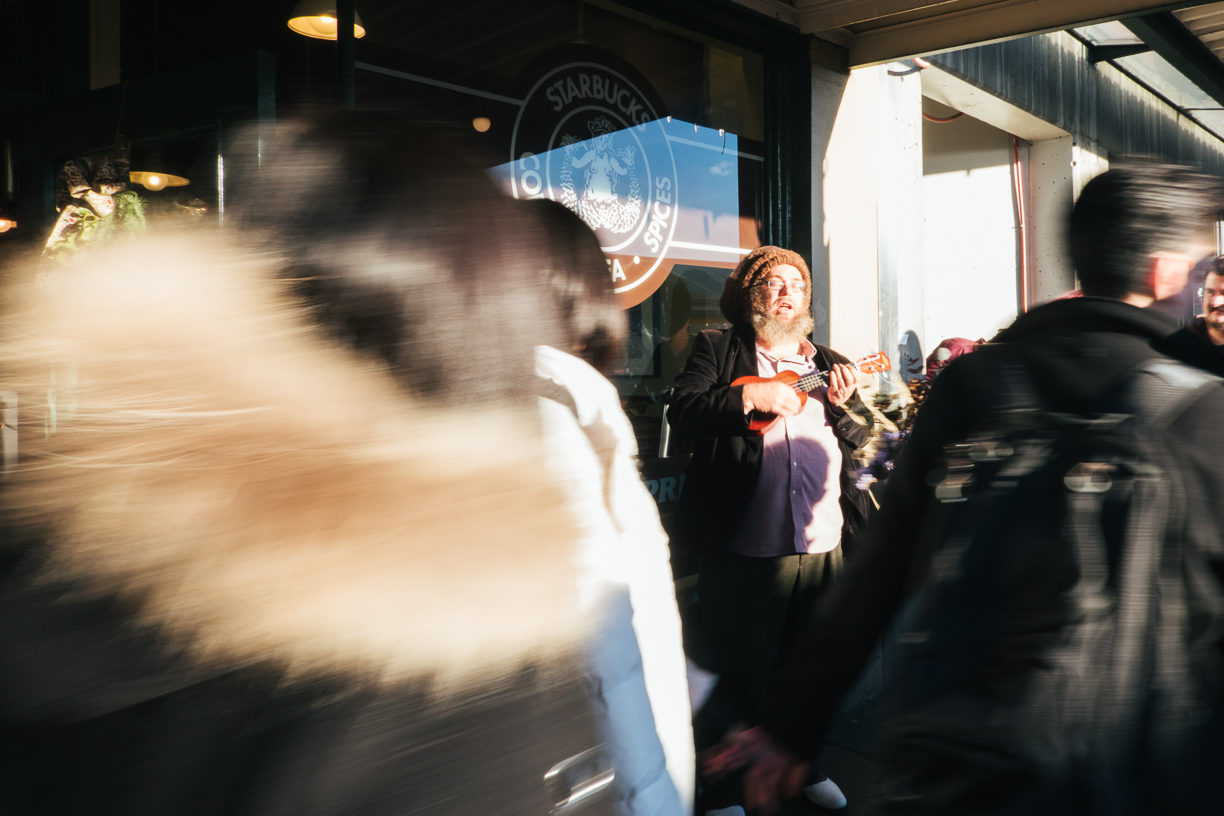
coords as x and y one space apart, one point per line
317 18
153 178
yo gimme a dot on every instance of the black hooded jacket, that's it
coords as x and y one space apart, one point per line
726 464
1077 351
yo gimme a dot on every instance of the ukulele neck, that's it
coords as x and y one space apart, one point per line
810 382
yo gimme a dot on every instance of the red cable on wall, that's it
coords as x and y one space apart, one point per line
942 120
1024 260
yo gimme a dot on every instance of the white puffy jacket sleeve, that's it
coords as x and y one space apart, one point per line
626 573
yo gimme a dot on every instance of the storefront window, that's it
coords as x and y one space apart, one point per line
653 134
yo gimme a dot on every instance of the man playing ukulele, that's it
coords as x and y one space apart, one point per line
769 513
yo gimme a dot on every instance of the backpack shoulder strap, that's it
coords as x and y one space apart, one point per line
1014 402
1159 391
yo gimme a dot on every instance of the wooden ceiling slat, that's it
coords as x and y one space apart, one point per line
1204 23
1187 15
955 7
820 16
1207 25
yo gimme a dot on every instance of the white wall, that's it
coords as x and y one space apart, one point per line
970 240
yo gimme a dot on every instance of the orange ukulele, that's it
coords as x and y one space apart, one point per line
761 422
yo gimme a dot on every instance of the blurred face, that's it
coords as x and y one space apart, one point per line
1213 301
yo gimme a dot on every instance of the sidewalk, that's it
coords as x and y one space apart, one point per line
852 758
853 754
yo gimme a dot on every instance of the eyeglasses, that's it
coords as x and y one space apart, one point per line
778 286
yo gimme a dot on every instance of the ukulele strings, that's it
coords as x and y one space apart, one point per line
809 381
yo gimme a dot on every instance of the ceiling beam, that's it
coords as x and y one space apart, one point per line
1184 51
783 12
1104 53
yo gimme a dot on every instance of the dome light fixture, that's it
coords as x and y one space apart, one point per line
481 124
317 19
7 224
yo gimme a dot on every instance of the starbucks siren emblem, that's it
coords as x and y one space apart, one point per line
606 166
590 137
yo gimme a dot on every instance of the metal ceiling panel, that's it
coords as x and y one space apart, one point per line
950 26
885 30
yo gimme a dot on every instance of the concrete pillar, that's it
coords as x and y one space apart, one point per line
899 232
1058 170
866 207
828 90
850 228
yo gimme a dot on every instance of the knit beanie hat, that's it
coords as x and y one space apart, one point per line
737 290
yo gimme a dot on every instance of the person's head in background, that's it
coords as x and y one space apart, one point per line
1213 300
1137 230
405 250
591 324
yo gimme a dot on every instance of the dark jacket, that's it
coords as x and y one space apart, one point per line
727 461
1197 328
101 716
1078 351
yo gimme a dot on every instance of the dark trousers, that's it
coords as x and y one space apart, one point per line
753 609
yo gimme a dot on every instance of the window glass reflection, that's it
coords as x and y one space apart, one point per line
651 132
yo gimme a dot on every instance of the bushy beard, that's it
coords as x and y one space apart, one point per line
772 331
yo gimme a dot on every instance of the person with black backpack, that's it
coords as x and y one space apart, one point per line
1053 539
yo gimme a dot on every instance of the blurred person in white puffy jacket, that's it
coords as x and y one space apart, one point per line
637 660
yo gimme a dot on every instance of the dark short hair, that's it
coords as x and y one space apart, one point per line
574 267
403 248
1131 211
1216 267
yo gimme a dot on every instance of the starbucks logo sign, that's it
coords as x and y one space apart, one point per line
590 138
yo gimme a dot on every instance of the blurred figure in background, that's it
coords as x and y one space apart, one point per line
1063 651
947 351
637 659
292 547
